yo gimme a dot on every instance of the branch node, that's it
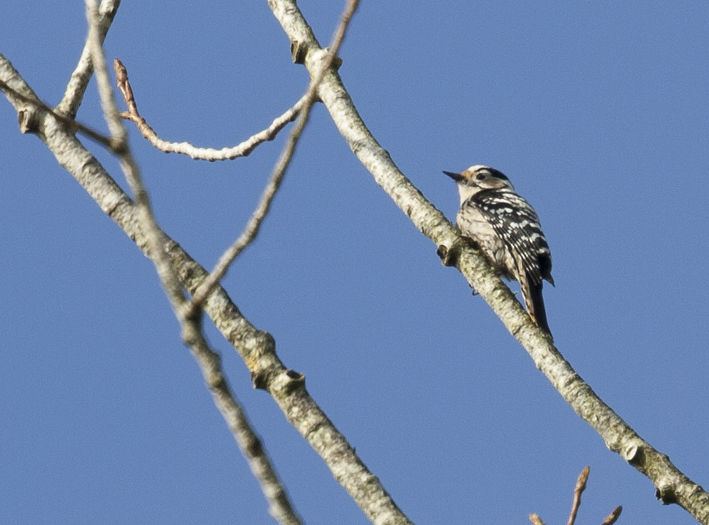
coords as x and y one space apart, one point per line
632 454
282 384
259 380
449 255
666 494
445 255
295 376
298 51
294 381
28 119
336 61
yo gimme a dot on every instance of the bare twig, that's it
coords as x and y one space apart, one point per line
185 148
535 519
578 490
279 171
76 88
256 347
210 363
613 516
66 110
129 166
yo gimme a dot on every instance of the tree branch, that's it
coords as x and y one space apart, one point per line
185 148
613 516
672 486
279 171
257 348
576 503
210 362
578 490
74 94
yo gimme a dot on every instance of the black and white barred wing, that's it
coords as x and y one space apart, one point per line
516 223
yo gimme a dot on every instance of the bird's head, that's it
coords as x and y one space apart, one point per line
478 178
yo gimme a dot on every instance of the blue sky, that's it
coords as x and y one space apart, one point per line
597 112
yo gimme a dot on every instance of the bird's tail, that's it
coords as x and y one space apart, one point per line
535 304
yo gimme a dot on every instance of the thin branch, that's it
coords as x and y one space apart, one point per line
66 110
185 148
210 363
672 486
279 505
535 519
256 347
613 516
578 490
279 171
74 94
130 167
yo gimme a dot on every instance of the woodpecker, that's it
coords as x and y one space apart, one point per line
507 230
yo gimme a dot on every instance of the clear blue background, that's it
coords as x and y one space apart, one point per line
599 114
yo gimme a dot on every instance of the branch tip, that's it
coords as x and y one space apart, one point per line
535 519
582 479
613 516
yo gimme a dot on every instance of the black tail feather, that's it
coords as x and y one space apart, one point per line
535 305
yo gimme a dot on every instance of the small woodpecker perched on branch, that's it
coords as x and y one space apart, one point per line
507 230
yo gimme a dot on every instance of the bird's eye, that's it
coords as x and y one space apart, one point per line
480 176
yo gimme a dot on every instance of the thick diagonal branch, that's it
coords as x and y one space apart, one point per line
672 486
257 348
190 321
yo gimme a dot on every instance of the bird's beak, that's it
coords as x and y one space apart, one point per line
455 176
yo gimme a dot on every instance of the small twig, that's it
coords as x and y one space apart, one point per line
578 490
185 148
80 77
210 362
613 516
130 167
535 519
253 226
